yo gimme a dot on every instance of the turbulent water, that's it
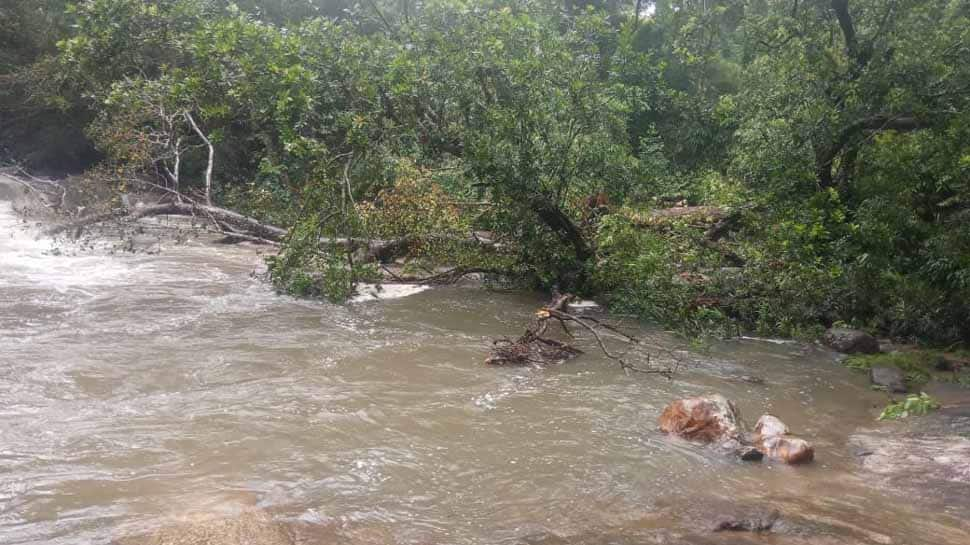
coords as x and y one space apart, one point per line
137 389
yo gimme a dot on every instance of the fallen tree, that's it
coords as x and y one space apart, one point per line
236 226
230 223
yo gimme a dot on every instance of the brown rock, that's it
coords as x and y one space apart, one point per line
707 419
774 439
769 426
788 449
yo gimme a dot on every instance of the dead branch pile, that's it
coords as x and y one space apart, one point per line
533 347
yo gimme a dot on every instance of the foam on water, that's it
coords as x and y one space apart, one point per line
29 259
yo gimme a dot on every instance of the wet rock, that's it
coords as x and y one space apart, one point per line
775 441
714 419
770 426
850 341
788 449
944 364
953 397
758 522
708 419
888 377
951 363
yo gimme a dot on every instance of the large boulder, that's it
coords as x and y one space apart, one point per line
890 378
774 440
710 419
850 341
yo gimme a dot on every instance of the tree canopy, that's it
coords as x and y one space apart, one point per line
822 143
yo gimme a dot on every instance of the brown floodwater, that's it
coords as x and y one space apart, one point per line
138 389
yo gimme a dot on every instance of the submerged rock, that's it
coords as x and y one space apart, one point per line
707 419
850 341
926 458
249 526
888 377
754 522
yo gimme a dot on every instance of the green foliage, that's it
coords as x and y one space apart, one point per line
654 275
913 405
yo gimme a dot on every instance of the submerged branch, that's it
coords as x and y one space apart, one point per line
532 347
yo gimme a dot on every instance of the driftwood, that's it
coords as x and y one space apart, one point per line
534 348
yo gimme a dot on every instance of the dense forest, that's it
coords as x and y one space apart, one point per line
773 166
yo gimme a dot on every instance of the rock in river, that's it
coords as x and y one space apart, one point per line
249 526
714 419
753 522
850 341
775 441
769 426
709 419
890 378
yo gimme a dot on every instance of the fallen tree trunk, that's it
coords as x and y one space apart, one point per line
384 251
451 276
243 224
703 215
237 226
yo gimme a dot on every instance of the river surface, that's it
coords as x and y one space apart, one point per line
139 388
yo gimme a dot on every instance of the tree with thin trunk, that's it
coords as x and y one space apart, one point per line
212 156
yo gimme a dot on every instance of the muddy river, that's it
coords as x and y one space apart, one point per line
141 389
